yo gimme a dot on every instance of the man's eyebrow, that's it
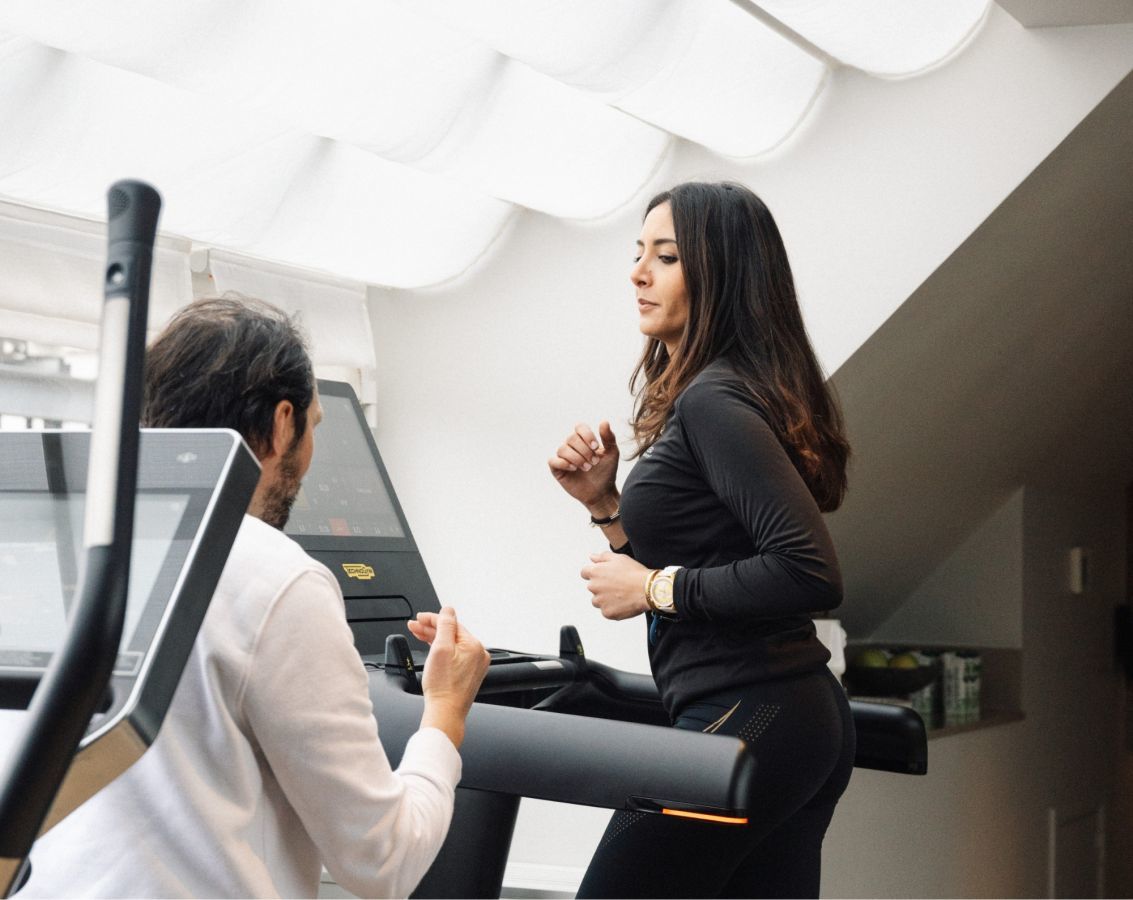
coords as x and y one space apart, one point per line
658 242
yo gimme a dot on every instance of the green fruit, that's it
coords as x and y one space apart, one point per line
904 661
872 659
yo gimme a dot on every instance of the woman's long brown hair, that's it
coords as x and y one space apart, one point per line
743 307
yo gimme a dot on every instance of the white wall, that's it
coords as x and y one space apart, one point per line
479 380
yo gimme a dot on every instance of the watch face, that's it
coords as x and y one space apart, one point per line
663 591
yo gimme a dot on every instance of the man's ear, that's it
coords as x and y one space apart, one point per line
283 428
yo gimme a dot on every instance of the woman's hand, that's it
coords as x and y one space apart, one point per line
617 582
586 465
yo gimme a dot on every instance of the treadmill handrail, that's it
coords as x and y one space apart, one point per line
890 738
76 679
628 685
615 764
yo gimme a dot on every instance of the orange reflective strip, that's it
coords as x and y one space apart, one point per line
727 820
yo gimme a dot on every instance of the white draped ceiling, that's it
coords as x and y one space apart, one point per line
306 149
354 137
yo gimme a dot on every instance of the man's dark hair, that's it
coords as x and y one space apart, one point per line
227 362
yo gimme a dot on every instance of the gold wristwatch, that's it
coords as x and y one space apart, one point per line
659 592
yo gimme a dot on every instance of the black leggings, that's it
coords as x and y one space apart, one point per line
802 735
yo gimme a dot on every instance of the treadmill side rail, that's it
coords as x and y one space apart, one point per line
581 760
890 738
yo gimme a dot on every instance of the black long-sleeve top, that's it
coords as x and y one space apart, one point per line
718 495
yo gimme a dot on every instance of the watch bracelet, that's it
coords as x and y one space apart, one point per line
649 589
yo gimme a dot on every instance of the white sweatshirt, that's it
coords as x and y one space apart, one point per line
268 762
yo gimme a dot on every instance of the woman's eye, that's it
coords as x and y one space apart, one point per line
637 259
667 260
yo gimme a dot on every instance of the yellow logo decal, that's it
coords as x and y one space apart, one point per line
361 571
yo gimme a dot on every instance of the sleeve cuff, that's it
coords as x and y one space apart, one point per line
680 595
430 751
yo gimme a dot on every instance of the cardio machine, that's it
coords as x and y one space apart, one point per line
111 544
131 600
563 727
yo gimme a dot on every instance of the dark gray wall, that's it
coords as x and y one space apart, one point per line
1010 365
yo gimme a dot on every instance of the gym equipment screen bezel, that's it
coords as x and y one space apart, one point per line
354 543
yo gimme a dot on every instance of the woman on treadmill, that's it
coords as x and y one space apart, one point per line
718 540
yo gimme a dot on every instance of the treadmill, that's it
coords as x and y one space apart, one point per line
563 728
95 631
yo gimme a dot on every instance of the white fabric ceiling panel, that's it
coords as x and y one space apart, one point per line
371 74
739 88
701 69
51 291
332 312
883 37
365 72
607 48
389 141
538 143
352 214
71 127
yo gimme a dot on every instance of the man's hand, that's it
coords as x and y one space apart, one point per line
617 582
454 669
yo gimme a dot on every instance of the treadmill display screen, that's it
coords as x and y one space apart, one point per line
41 550
343 494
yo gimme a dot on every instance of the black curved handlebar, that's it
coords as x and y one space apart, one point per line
77 677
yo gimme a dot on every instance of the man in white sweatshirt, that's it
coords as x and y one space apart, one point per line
269 764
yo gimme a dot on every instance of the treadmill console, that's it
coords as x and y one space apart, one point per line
347 517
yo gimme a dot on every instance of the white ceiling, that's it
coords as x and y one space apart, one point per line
389 142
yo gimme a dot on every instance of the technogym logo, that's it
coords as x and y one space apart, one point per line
361 571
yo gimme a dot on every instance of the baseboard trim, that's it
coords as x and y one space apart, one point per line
537 880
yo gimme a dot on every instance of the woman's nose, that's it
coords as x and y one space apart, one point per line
639 274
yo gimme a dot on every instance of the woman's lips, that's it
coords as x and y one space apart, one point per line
644 305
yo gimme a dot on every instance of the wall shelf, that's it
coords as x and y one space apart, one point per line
990 720
1000 684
